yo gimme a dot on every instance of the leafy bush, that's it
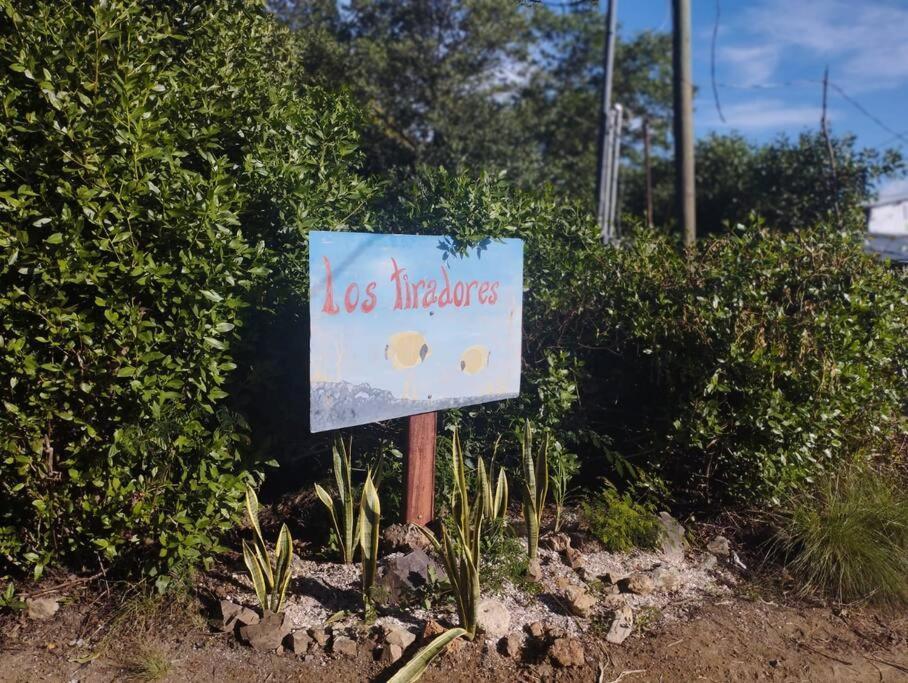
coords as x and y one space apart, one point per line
156 162
848 537
758 363
620 523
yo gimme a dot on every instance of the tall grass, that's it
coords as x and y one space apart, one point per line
848 537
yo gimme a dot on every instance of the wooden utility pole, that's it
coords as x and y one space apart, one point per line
648 173
603 183
419 489
684 121
824 126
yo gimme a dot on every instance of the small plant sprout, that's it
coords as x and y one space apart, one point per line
270 574
461 553
347 532
535 486
369 527
494 506
564 467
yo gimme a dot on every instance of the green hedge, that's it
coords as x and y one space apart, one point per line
761 361
157 162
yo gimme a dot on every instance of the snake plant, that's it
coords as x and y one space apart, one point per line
417 666
535 486
369 523
345 528
460 549
270 573
494 506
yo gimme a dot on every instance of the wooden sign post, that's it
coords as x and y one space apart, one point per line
419 494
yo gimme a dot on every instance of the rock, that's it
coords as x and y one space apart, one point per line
709 562
41 608
431 629
268 633
493 617
579 601
319 636
719 546
671 538
400 637
234 615
534 570
622 625
342 645
390 653
298 642
558 542
637 583
510 645
403 575
573 558
404 538
566 652
665 579
229 612
536 630
611 578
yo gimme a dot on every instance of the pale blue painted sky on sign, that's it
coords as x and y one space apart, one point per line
351 346
769 65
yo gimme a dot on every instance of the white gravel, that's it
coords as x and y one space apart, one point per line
320 589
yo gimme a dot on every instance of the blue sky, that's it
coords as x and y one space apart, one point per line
351 346
770 58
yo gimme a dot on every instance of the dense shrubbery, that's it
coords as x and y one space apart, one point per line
157 162
771 358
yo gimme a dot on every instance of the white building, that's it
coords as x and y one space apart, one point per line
888 217
887 229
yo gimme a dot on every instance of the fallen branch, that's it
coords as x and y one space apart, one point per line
886 662
628 672
61 586
825 654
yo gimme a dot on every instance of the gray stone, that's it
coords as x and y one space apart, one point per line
579 601
400 637
671 538
622 625
41 608
709 562
404 538
558 542
573 558
567 652
342 645
665 579
534 570
268 633
319 635
402 576
493 617
719 546
234 615
536 630
299 642
637 583
510 645
390 653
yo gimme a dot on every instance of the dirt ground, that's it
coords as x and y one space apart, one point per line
731 639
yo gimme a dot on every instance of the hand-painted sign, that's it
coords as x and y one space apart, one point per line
401 325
